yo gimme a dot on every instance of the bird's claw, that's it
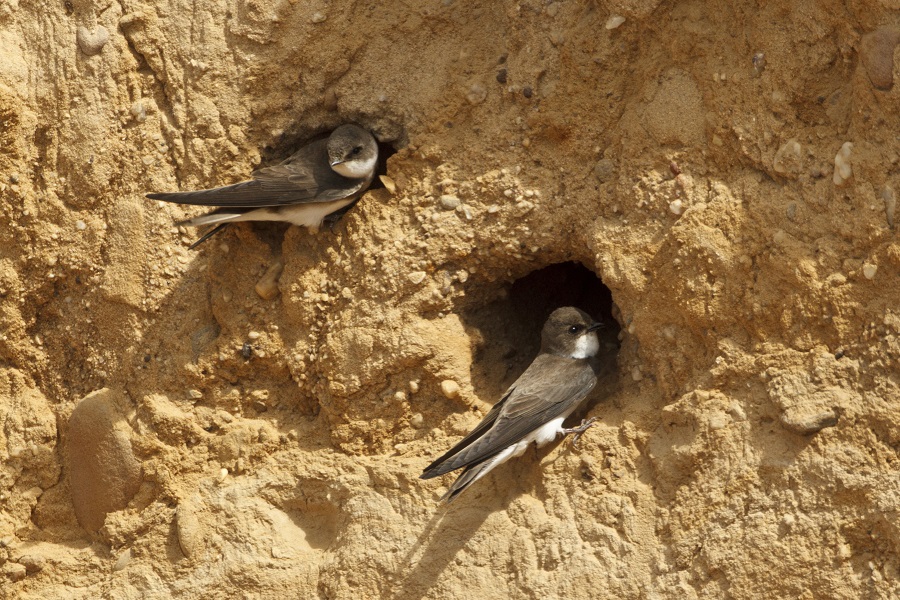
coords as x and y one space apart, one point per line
585 425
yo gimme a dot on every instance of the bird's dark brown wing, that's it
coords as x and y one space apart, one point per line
550 387
304 177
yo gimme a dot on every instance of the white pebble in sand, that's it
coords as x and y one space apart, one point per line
676 207
842 169
91 42
81 225
449 202
416 277
869 270
614 21
318 18
450 388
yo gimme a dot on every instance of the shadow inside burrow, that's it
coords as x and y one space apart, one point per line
506 333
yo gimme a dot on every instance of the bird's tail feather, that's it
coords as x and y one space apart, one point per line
213 218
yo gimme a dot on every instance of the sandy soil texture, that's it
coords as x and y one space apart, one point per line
718 180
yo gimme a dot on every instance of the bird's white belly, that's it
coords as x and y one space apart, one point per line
309 214
546 433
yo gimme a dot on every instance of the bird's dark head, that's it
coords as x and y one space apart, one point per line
352 152
570 332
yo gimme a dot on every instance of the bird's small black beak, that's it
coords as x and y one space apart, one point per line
595 326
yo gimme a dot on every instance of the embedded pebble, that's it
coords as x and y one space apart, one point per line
476 94
759 63
80 225
450 388
33 564
676 207
417 421
842 168
103 472
789 158
493 209
449 202
604 169
416 277
388 183
91 42
808 424
223 473
890 204
189 529
869 270
139 112
253 335
318 17
267 286
14 571
413 387
614 21
877 56
123 560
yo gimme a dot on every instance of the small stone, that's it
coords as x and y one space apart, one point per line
842 168
318 17
417 421
416 277
527 91
223 473
501 76
103 472
604 170
493 209
789 158
14 571
123 560
476 94
449 202
139 112
413 387
267 286
869 270
636 374
195 394
676 207
808 424
614 21
253 335
890 204
759 63
190 531
877 56
33 564
450 388
91 42
80 225
388 183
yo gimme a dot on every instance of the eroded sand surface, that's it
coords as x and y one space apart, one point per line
233 446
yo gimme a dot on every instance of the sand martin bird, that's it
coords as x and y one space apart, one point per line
318 180
534 407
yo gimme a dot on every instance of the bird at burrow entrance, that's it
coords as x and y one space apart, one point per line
535 405
318 182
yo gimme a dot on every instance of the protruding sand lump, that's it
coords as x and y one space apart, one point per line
103 472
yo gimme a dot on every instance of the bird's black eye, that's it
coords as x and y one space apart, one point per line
574 329
356 151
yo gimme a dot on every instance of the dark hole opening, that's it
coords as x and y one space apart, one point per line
506 333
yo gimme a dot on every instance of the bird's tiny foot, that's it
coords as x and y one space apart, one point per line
585 425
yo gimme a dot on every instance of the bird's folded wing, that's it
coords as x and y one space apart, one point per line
550 387
304 177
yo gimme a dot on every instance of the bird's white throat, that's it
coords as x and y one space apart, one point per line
586 345
356 169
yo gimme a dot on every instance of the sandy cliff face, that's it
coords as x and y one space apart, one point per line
166 432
